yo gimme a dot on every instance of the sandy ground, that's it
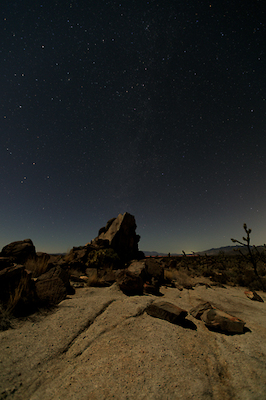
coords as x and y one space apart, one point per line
101 344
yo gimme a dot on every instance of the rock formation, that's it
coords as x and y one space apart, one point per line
116 244
121 235
147 273
53 286
29 280
48 282
19 251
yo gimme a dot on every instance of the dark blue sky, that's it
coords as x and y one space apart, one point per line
156 108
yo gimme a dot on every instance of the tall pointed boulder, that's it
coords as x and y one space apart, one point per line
121 234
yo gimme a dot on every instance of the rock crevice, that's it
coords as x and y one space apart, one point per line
86 327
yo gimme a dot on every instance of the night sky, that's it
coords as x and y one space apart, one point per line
156 108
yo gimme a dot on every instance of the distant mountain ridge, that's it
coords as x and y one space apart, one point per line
156 254
227 250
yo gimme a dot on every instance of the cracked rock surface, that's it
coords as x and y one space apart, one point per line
101 344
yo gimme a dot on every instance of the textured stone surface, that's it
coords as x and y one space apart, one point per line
100 344
53 286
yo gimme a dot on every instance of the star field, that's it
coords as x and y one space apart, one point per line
152 107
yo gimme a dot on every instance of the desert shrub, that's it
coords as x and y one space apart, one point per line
202 265
103 259
180 277
170 275
221 261
94 280
5 318
75 272
232 269
17 304
22 299
37 265
16 297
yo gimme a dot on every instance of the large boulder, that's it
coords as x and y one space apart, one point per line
129 283
17 289
139 268
53 286
152 274
121 235
19 251
155 271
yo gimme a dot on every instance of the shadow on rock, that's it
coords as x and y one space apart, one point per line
187 324
223 332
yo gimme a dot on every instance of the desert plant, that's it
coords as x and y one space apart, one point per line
16 296
94 280
37 266
16 303
180 278
103 258
20 299
5 318
252 254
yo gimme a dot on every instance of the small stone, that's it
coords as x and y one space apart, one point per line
252 295
218 319
166 311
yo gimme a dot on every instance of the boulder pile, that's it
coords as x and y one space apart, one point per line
29 279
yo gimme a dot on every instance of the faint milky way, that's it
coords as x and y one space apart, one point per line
156 108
